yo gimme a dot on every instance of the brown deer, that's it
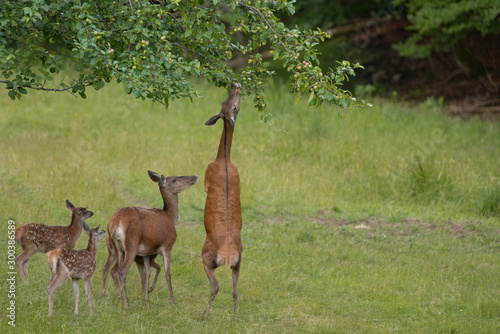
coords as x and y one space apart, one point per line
114 272
33 238
77 264
148 232
222 207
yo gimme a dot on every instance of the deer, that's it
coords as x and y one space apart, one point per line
77 264
222 215
114 273
138 232
34 238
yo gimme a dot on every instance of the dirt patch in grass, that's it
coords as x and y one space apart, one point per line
462 229
407 227
276 220
325 218
334 222
411 226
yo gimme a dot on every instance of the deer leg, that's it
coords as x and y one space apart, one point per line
236 274
125 256
57 279
166 264
51 304
158 269
112 258
147 274
115 276
76 289
22 263
142 273
88 292
52 273
210 271
107 267
122 271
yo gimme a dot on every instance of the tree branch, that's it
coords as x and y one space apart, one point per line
85 83
176 21
258 12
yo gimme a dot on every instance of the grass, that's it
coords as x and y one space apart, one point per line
387 221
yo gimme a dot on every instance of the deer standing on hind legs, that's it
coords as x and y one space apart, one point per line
222 207
77 264
34 238
148 232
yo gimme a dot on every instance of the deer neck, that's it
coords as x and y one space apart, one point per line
92 245
170 203
76 226
226 140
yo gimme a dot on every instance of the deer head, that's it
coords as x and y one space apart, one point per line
173 184
230 107
97 232
81 213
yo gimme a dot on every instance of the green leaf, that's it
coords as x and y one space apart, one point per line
98 85
12 94
27 11
311 96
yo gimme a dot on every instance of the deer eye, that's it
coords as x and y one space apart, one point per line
173 180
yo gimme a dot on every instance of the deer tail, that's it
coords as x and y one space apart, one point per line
53 261
230 256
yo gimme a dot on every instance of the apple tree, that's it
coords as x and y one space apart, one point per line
157 48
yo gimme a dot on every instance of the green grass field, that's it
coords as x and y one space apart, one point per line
387 221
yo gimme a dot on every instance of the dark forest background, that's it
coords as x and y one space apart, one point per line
415 49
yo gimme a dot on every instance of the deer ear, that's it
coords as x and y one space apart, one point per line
70 205
155 177
85 226
212 120
231 123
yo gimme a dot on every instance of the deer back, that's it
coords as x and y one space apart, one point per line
151 229
46 238
79 263
223 206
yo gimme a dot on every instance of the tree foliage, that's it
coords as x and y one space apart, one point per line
440 24
327 13
157 48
